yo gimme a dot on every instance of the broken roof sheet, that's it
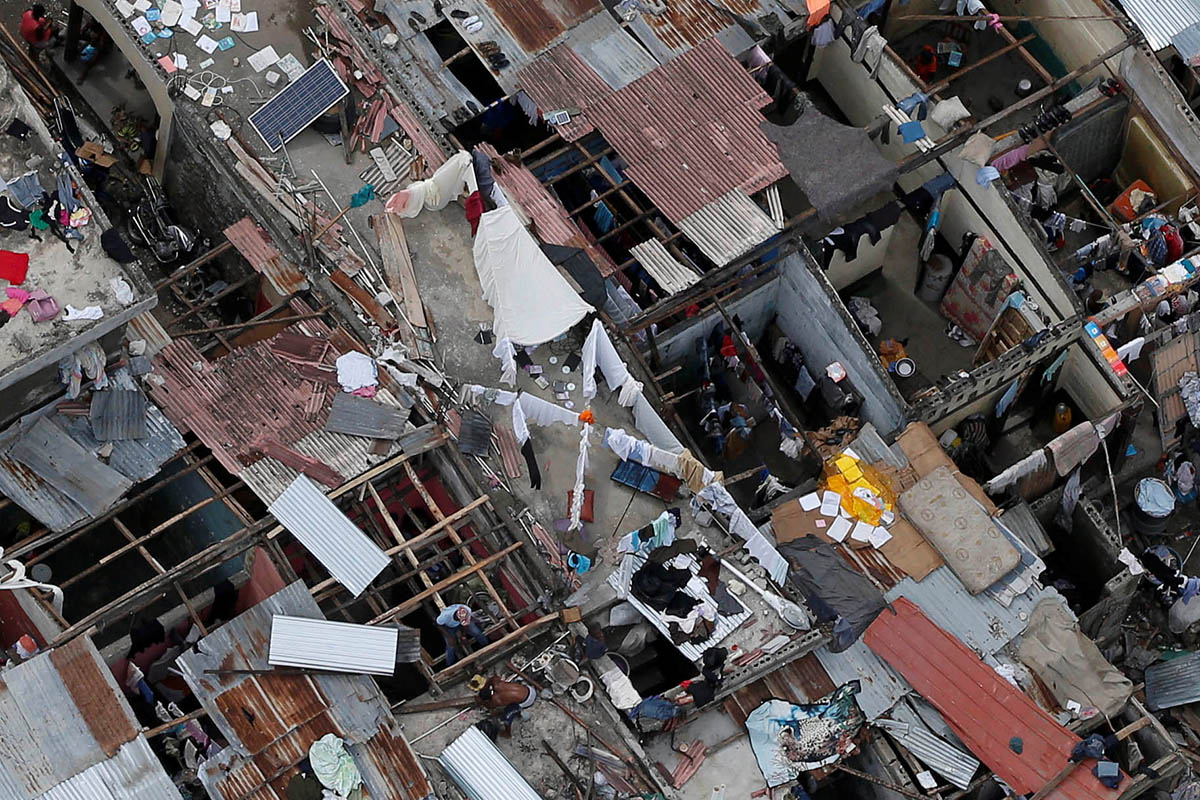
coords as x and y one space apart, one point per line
270 720
136 459
984 710
254 245
560 79
362 416
344 550
64 725
552 222
1173 683
323 644
118 414
690 131
49 453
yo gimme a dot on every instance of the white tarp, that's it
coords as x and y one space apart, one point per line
532 302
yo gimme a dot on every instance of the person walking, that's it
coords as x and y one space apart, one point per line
455 621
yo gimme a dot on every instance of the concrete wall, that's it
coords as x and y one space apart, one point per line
1152 89
755 309
842 273
1081 378
1075 42
148 72
813 317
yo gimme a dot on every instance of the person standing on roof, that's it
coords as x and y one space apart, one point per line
455 621
38 31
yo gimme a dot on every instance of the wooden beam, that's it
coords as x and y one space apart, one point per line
253 323
400 541
945 145
417 541
509 639
414 602
374 472
196 309
451 530
191 267
1008 48
580 166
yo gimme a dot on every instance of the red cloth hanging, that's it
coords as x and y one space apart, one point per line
474 210
13 266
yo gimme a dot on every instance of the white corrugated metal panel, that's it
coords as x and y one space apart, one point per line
620 578
482 771
1187 43
728 227
1159 20
343 549
134 772
943 758
334 646
663 267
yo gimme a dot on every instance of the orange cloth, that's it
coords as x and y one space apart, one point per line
817 11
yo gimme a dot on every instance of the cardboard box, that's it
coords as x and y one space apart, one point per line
94 152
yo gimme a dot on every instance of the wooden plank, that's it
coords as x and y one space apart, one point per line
400 540
398 266
361 298
414 602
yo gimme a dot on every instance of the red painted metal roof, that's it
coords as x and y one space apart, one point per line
690 131
551 222
560 79
234 404
252 242
984 710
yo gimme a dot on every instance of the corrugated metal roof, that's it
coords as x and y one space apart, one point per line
65 729
134 772
336 646
1168 363
474 433
606 47
561 79
979 621
1159 20
1173 683
1187 43
255 246
118 414
249 396
146 327
728 227
482 771
691 131
54 457
362 416
672 276
948 761
881 689
535 24
984 709
1021 520
344 550
136 459
552 222
271 720
684 24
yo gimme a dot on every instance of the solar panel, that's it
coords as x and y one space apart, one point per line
298 105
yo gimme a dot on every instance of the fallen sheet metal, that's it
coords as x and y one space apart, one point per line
1173 683
361 416
118 415
943 758
323 644
57 459
475 435
352 558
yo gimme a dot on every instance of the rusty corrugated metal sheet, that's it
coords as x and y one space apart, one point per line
252 242
690 131
552 223
90 684
429 149
249 396
535 24
687 23
984 710
560 79
803 680
271 720
147 328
